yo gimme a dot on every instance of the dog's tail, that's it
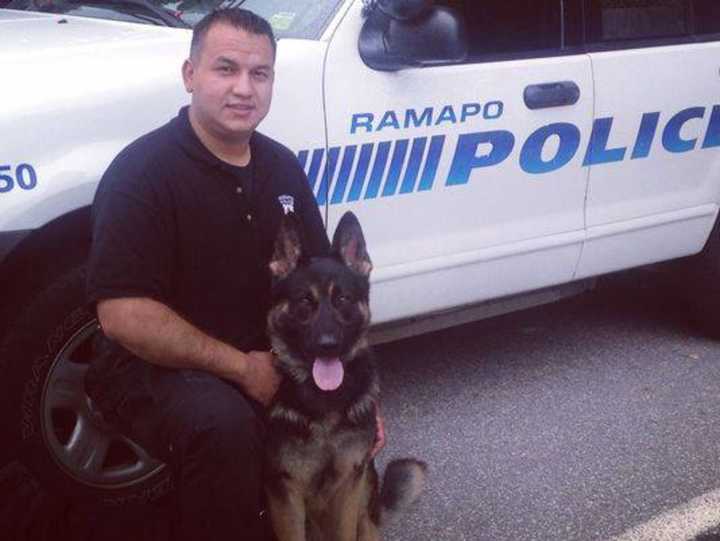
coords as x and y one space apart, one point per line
403 482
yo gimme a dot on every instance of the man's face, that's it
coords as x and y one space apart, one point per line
231 81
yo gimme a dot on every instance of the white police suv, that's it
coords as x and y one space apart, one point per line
499 153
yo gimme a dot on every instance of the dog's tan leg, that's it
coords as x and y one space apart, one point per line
367 529
347 514
287 513
343 513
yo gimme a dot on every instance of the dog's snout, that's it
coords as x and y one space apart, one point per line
328 343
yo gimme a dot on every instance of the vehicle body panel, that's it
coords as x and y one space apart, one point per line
654 184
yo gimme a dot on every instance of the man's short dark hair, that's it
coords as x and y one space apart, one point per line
241 19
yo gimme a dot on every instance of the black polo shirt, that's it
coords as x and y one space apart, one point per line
174 223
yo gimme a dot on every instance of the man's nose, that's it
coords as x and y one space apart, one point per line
242 85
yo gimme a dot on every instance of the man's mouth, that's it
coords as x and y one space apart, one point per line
240 108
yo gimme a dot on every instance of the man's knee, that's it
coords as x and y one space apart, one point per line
226 428
198 414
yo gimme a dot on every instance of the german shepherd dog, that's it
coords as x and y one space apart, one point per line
321 483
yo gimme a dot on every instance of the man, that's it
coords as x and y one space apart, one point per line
184 223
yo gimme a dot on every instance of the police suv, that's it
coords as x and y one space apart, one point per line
499 154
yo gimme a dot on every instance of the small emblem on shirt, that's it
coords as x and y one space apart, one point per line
288 203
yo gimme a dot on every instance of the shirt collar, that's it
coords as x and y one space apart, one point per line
194 147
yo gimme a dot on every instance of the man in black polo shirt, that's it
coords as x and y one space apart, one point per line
184 223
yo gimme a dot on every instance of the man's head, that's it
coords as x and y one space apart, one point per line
230 73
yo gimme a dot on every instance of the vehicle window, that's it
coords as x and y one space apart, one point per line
289 18
706 17
620 20
136 11
510 27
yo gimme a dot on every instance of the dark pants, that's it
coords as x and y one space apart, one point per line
202 426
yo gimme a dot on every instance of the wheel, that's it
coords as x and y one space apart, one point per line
59 434
699 282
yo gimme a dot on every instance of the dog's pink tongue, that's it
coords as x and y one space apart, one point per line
328 373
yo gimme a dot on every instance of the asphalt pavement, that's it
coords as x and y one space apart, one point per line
574 421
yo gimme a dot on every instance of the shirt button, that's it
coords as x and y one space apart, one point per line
249 217
239 189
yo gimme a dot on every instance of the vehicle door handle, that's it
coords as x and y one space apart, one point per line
547 95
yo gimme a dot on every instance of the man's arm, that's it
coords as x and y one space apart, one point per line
156 333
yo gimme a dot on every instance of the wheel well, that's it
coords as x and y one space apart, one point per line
44 255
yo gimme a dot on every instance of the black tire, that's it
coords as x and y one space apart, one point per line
698 285
53 425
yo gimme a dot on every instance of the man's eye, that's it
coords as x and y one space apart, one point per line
261 75
343 299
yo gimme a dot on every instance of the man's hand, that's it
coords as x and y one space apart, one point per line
259 378
379 433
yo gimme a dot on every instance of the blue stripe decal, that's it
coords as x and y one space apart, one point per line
328 174
302 158
413 168
341 184
361 172
431 164
315 167
411 163
378 170
396 164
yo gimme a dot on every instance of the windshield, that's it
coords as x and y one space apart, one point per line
289 18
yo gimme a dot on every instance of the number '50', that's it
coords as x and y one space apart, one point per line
24 177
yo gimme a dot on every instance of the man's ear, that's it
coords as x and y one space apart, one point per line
288 247
349 244
188 72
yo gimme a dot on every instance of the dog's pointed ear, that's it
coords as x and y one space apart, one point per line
349 244
288 247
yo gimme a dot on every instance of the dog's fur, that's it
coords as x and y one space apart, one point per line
321 483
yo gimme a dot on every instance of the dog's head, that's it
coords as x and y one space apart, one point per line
320 309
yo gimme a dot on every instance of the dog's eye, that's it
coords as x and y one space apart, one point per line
307 301
343 299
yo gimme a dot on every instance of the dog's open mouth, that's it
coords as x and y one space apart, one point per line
328 373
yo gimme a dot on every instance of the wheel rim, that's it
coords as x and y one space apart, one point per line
86 447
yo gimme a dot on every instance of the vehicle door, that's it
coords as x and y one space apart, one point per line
653 155
467 176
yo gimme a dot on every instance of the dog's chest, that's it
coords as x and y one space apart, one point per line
333 452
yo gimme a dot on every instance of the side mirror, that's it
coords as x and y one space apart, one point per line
401 34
